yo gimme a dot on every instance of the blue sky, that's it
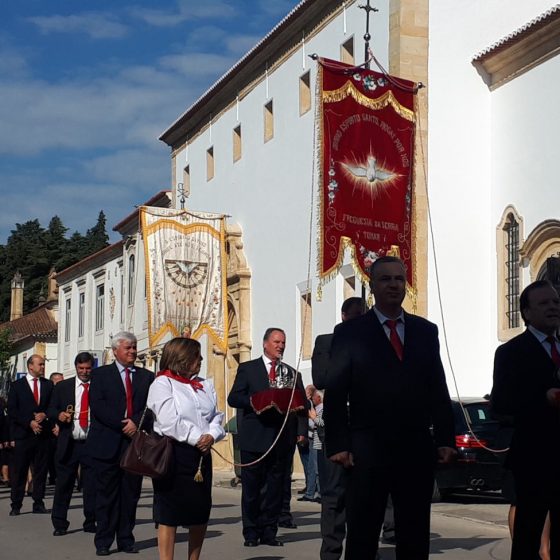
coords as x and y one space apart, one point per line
87 87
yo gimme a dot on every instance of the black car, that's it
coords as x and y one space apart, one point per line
476 468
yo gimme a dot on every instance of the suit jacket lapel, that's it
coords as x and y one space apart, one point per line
383 344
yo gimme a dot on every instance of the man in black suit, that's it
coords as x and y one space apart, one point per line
333 491
30 428
70 406
262 483
385 389
117 398
527 388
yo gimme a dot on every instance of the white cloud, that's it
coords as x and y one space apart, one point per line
198 64
96 25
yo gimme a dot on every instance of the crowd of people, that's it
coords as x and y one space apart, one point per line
379 396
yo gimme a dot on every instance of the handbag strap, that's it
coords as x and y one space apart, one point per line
142 418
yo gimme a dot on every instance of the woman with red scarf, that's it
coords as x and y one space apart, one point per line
184 407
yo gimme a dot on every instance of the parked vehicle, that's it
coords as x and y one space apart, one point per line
476 468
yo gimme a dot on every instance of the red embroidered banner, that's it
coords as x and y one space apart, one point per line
367 147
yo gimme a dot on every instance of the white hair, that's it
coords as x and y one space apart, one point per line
122 336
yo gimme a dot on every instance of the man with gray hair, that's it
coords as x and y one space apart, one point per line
117 397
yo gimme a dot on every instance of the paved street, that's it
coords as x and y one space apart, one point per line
464 530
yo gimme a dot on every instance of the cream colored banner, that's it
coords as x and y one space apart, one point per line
185 274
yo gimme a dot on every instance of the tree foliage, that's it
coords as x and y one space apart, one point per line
34 251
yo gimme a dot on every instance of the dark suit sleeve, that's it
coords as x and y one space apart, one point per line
18 413
320 360
441 411
503 396
55 406
148 378
239 395
335 408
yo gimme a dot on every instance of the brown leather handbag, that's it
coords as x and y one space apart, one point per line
148 454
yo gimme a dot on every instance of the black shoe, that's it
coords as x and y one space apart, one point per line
305 498
272 542
59 532
14 511
302 491
128 549
39 508
90 529
102 552
287 525
389 539
251 542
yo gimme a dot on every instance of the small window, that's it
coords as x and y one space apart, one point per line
268 121
99 307
131 280
68 318
187 180
81 314
306 333
210 163
304 93
349 287
237 151
347 51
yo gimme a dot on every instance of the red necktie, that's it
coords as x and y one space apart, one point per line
394 337
36 390
128 384
272 373
84 407
554 351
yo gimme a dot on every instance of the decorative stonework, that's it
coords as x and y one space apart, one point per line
543 242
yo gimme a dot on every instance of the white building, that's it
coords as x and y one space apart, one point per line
485 151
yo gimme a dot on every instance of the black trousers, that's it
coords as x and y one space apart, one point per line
262 488
535 497
31 451
67 472
285 510
116 497
333 508
411 490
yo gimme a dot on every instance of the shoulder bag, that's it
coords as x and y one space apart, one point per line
148 454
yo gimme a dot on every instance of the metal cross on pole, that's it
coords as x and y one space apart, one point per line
367 37
181 192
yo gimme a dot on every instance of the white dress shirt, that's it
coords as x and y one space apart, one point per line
542 338
77 431
131 371
182 413
400 324
30 379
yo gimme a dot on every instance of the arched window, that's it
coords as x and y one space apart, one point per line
131 280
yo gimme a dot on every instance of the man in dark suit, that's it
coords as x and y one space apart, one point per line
333 491
30 428
262 483
385 389
117 398
527 388
70 406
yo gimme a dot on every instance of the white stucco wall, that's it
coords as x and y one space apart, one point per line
270 192
475 138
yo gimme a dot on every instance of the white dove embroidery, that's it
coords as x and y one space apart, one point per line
186 274
371 172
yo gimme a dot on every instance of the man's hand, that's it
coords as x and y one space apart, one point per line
344 458
553 397
129 427
446 455
36 427
39 416
312 413
205 443
56 430
302 441
64 417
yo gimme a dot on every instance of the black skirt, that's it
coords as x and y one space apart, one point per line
178 499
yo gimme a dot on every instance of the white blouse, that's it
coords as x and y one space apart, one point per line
182 413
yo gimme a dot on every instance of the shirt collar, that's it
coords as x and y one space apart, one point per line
540 336
267 361
30 378
382 318
121 368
